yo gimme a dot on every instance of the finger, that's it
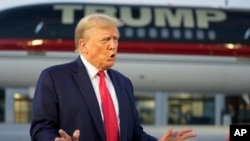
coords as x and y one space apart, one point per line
167 135
188 135
58 139
183 131
76 135
64 135
188 140
169 132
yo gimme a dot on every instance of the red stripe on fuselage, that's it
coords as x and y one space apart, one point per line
131 47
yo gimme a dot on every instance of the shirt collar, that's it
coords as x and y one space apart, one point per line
92 70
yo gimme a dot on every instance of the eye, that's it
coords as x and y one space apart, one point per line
116 38
105 39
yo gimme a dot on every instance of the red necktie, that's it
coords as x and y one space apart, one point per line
108 109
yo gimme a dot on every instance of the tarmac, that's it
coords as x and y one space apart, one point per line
20 132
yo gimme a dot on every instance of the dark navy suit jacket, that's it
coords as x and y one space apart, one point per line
65 99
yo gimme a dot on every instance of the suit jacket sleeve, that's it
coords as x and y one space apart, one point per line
44 123
138 133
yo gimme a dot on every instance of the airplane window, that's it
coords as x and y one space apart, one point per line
129 32
152 33
200 34
141 32
247 34
165 33
188 34
211 35
176 33
39 27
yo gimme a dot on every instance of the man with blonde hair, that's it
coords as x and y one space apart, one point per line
86 100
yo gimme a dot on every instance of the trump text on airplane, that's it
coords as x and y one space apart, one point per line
156 16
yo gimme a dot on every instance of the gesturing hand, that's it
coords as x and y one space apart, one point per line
185 134
66 137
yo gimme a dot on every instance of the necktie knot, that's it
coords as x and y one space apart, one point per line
101 74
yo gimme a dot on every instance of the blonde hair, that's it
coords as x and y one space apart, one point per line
94 21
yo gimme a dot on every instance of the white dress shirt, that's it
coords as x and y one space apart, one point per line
92 72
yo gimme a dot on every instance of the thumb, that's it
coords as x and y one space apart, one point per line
76 135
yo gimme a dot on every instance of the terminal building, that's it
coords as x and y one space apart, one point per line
155 108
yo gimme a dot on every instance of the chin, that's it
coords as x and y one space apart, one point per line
109 66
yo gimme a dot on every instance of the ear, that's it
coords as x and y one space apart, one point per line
82 46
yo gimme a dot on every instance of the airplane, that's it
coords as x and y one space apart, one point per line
163 48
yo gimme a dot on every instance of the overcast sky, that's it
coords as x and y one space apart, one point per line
209 3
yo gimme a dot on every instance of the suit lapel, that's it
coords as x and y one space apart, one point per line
84 83
121 97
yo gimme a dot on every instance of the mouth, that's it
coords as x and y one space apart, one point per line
112 57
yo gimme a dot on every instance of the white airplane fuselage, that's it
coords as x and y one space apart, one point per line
147 72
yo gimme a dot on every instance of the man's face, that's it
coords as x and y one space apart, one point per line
100 47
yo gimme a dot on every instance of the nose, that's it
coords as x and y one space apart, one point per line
113 44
